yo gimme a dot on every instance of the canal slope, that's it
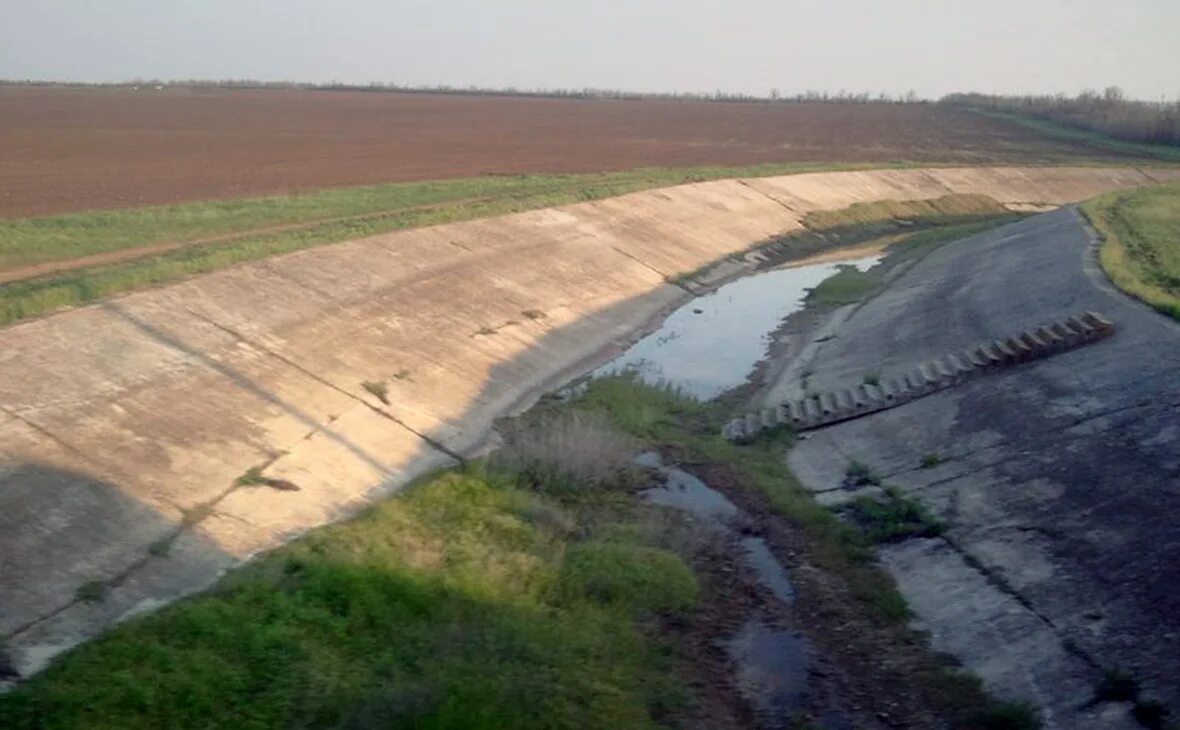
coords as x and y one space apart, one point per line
152 441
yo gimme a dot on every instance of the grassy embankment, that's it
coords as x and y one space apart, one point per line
206 236
519 594
1141 243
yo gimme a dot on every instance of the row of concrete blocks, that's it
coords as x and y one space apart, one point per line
930 377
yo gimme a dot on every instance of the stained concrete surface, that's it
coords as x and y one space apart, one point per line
1060 479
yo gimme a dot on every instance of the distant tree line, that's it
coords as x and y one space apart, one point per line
820 97
1109 112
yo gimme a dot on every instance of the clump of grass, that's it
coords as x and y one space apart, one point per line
872 378
858 475
931 460
252 477
893 517
160 548
568 450
378 388
402 374
91 592
848 285
192 515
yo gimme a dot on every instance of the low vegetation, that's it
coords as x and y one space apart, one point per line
91 592
859 475
948 209
892 517
1141 243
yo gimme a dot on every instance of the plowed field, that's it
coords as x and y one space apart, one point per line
76 149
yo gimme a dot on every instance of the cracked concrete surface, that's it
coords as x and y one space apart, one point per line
1059 479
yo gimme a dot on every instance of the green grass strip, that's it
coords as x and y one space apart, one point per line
1141 243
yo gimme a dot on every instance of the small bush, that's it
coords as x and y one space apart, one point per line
91 592
872 378
379 390
570 450
931 460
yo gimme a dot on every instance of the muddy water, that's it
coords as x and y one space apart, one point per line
771 664
711 344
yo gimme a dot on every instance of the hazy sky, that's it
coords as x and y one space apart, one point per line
932 46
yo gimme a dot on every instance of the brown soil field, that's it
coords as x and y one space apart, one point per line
65 149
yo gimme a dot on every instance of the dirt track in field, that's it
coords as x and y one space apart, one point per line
74 149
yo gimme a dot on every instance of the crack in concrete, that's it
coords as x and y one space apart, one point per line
432 442
746 184
668 278
998 582
49 435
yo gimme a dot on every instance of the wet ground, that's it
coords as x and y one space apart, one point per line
770 663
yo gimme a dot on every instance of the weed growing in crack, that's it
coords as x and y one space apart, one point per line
931 460
252 477
893 517
91 592
378 389
160 548
859 475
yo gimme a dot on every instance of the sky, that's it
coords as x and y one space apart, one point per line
751 46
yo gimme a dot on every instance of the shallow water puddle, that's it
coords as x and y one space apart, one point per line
771 667
771 664
711 344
